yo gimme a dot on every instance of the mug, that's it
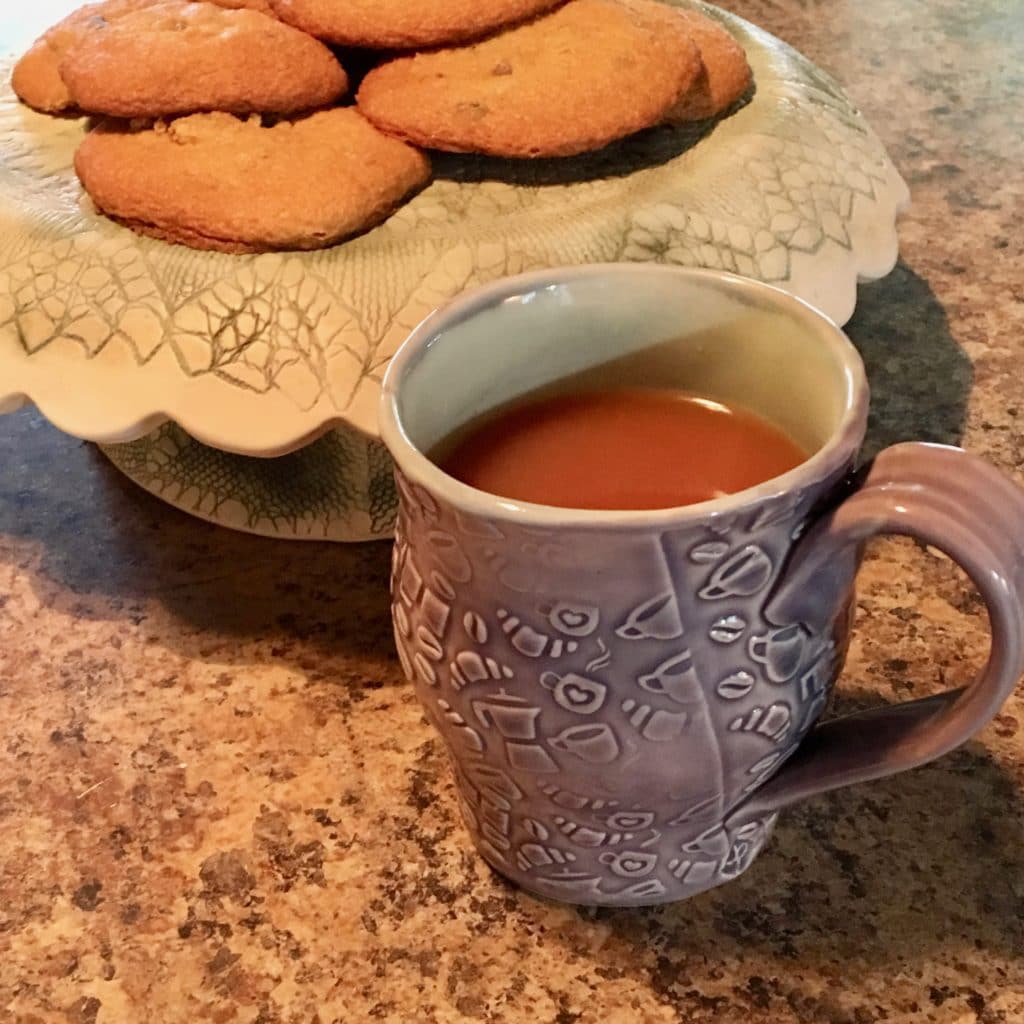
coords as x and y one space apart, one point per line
629 698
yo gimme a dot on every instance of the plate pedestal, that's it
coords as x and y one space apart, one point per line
338 488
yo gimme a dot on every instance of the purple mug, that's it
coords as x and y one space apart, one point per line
629 698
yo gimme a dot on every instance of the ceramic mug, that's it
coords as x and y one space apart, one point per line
629 698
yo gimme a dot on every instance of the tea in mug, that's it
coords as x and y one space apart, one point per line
625 448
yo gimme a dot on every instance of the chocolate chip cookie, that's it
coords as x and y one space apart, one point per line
36 79
214 181
590 72
180 57
725 74
404 24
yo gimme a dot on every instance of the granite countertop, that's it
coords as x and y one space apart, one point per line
218 798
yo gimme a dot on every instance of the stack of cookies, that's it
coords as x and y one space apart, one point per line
227 124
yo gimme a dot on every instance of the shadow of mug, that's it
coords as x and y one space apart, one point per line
851 885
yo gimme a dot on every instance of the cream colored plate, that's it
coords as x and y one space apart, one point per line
112 335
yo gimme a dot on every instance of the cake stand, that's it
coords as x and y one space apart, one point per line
243 389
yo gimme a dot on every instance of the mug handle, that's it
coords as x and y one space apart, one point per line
959 504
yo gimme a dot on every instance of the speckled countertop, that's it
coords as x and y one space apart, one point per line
219 801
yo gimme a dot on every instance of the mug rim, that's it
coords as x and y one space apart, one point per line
414 464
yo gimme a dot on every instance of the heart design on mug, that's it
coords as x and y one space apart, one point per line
575 695
574 619
574 692
629 821
629 863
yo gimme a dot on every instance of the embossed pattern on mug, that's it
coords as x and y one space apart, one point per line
577 709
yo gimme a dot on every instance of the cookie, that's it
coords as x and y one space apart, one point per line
589 73
180 57
36 79
213 181
404 24
263 6
725 76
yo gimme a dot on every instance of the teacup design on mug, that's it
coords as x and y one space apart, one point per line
625 695
593 744
781 651
676 678
574 692
655 619
744 574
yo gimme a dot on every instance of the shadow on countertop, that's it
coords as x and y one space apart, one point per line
893 877
882 878
115 548
920 377
106 549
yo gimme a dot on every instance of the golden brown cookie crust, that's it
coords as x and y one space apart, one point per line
192 239
216 182
37 82
180 57
574 80
263 6
404 24
36 79
725 77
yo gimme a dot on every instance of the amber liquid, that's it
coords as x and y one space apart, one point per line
629 448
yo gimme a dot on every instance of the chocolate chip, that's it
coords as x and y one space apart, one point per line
474 110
